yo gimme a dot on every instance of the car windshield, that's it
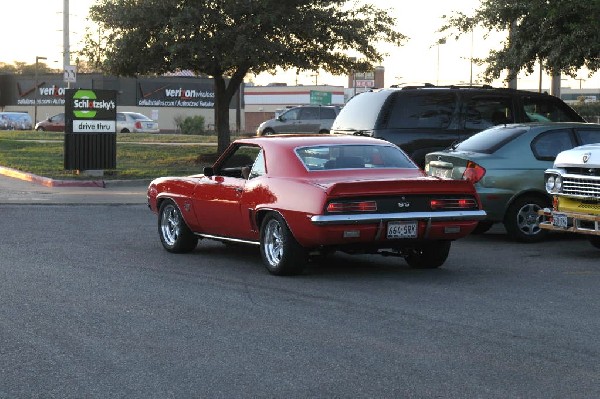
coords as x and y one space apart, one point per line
139 116
352 156
490 140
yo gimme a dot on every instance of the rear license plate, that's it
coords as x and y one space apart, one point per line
440 172
402 230
559 220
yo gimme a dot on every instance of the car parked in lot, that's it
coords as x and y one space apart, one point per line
424 119
507 164
55 123
306 119
296 196
15 121
134 122
574 183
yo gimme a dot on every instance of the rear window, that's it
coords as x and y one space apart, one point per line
490 140
550 109
361 112
331 157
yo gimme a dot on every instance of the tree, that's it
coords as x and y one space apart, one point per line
562 34
229 39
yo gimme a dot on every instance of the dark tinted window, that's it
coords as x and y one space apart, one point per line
589 136
422 110
490 140
482 112
547 145
327 113
548 109
309 113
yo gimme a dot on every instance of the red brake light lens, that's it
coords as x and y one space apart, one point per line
360 206
473 172
138 125
453 203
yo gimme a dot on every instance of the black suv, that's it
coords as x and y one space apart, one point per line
423 119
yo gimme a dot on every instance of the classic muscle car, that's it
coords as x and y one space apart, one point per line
298 196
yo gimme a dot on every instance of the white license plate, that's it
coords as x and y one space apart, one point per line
439 172
402 230
559 220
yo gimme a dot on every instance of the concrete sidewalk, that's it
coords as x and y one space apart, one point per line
18 187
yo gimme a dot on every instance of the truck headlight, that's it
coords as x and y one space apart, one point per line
553 184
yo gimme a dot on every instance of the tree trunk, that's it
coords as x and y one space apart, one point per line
222 100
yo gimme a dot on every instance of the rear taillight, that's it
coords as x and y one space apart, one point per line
473 173
359 206
453 203
138 125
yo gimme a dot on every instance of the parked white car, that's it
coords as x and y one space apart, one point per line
134 122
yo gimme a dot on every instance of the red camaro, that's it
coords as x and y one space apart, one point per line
306 195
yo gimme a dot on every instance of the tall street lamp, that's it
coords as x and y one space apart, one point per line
35 98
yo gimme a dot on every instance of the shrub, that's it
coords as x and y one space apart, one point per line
190 124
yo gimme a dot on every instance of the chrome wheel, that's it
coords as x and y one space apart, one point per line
175 235
281 253
273 243
170 224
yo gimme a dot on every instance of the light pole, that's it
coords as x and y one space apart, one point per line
35 98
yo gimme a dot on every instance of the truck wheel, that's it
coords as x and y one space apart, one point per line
429 255
595 241
280 251
522 221
175 235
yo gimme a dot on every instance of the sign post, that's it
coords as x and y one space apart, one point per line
90 129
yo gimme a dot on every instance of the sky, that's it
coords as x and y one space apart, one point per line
419 60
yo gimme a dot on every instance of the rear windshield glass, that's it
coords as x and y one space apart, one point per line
330 157
490 140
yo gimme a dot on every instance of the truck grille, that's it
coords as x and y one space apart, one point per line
581 187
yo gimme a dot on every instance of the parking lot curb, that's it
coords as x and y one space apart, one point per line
48 182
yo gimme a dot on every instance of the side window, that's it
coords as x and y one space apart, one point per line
309 113
482 112
547 145
546 110
244 156
328 113
422 110
291 115
258 168
589 136
120 117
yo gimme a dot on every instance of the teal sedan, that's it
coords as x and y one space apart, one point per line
506 164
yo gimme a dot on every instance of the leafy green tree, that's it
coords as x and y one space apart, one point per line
563 34
229 39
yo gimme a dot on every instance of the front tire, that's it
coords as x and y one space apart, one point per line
175 235
281 253
429 255
522 221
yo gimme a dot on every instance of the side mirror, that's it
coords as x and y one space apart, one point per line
281 118
209 171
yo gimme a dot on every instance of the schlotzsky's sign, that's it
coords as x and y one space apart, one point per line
90 129
158 94
90 111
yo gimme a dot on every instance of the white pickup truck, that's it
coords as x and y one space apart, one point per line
574 183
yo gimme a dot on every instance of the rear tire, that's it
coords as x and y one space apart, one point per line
522 221
175 235
595 241
281 253
429 255
482 227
